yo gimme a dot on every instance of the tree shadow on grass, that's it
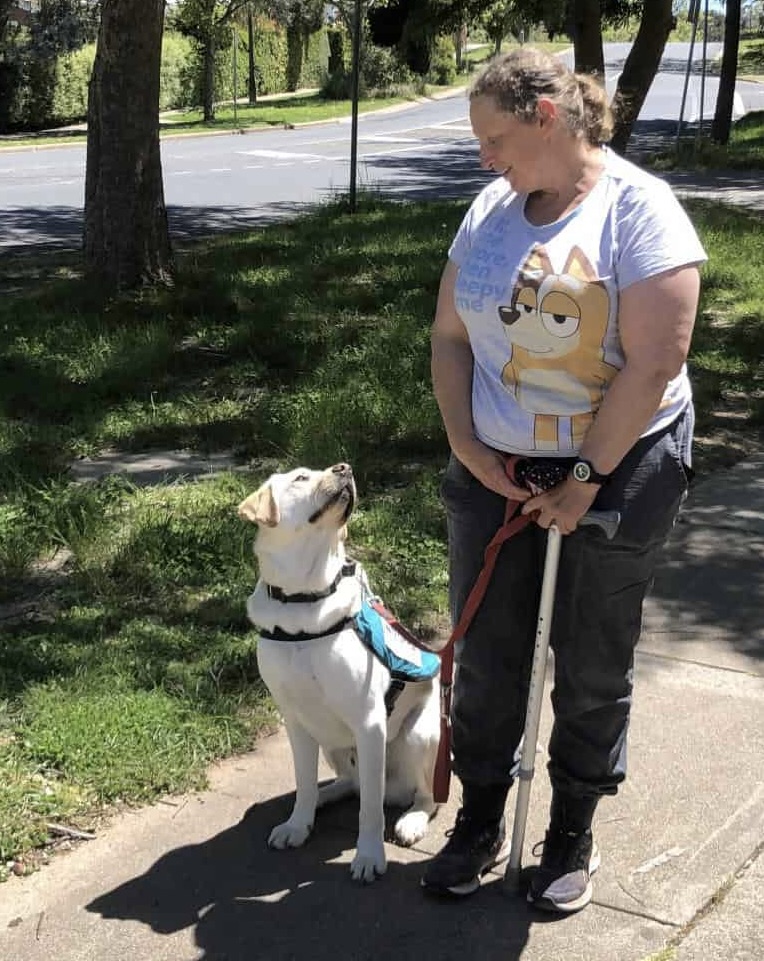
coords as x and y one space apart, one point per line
247 317
60 228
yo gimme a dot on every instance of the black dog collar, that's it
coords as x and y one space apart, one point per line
276 593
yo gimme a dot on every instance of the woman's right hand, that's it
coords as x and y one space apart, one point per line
489 467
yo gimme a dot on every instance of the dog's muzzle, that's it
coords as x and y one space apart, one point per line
345 491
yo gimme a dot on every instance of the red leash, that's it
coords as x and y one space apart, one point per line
513 523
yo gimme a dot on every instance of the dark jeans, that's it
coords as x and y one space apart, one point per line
597 619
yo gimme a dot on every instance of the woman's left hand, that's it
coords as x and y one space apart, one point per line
563 505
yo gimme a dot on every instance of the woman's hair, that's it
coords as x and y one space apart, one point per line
517 80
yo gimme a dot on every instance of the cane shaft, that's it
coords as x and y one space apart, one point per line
535 700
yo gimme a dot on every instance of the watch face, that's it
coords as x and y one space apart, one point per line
582 471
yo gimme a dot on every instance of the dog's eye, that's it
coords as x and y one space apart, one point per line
301 478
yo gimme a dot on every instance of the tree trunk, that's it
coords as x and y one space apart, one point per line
126 236
587 38
208 78
725 98
460 35
640 68
251 74
295 49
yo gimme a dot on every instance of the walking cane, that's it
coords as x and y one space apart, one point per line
608 521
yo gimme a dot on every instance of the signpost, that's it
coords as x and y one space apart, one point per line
354 121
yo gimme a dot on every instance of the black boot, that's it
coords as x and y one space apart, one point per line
562 881
475 844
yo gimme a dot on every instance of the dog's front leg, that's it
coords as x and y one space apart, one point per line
295 831
370 859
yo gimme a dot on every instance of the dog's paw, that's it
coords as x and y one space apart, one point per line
411 827
369 863
288 835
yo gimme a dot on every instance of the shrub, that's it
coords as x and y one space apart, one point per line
176 83
270 57
339 48
442 62
70 97
381 72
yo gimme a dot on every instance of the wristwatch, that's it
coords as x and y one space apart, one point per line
583 471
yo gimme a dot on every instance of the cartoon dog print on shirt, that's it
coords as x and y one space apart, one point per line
556 327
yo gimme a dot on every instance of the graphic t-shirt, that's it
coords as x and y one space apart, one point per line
540 304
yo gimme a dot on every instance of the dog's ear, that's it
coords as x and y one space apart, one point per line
261 507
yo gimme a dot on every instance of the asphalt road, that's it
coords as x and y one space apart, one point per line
232 181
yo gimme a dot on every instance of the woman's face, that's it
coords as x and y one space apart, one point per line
511 147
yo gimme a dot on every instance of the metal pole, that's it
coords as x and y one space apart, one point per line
235 84
608 521
692 16
354 122
703 77
533 713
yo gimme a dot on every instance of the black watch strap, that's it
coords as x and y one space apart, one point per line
583 471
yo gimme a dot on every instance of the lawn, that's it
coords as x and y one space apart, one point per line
280 111
745 150
127 662
750 61
307 108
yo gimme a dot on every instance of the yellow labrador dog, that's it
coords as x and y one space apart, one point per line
332 690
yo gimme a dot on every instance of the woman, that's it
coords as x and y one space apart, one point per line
562 327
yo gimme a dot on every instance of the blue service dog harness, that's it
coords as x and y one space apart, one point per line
379 630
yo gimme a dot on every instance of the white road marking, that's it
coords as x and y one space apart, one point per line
390 137
283 155
431 148
387 138
33 168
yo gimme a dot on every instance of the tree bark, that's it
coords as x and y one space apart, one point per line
725 98
587 38
208 78
126 235
251 73
640 68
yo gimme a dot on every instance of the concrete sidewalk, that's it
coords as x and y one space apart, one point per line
191 877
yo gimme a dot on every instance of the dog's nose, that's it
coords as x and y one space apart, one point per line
343 469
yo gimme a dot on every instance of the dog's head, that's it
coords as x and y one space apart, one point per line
303 500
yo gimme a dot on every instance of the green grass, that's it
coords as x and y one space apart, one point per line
745 150
309 108
130 663
750 60
269 112
480 54
667 954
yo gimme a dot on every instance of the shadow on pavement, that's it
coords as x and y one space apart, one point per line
709 587
247 902
453 172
